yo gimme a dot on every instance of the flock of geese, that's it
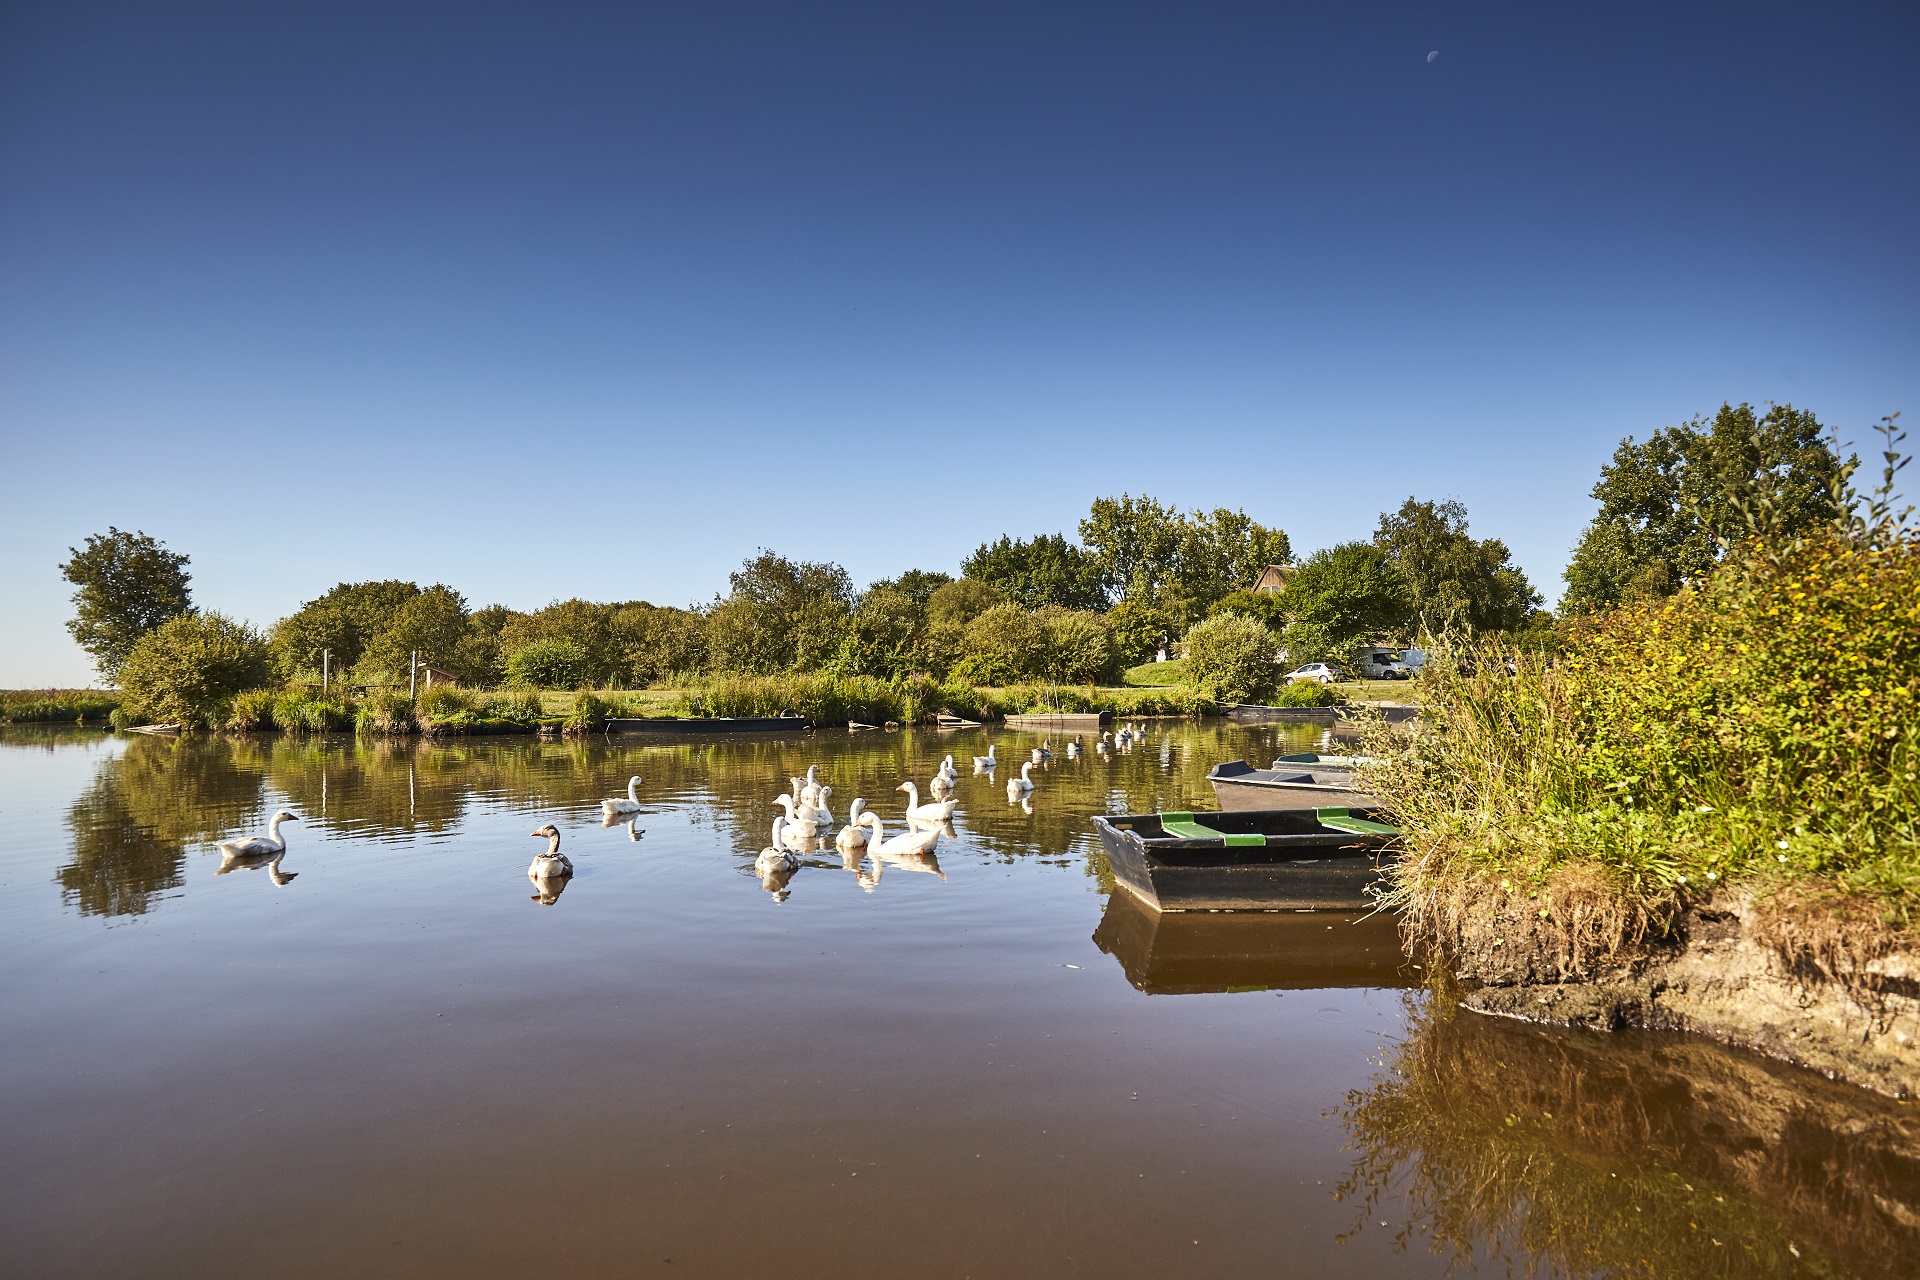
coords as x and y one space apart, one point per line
806 825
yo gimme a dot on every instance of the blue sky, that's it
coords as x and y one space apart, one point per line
560 300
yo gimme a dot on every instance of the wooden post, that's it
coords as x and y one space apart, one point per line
413 678
326 657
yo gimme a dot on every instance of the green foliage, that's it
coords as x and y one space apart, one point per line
1046 571
655 643
983 670
834 699
1231 659
433 622
188 669
1759 726
553 663
781 615
1079 648
1009 636
917 585
1339 596
1304 693
1178 563
386 712
344 621
56 706
252 709
1453 582
955 604
126 584
1155 675
1670 507
1138 629
879 639
1263 606
589 712
584 628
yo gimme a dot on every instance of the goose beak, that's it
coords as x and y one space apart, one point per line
901 787
536 833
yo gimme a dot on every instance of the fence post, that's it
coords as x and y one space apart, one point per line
413 678
326 671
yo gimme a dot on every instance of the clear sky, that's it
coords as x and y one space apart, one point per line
553 300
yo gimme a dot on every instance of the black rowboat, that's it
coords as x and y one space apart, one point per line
1262 860
1293 783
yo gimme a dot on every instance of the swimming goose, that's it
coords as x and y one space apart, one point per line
1020 786
775 858
809 791
621 808
941 787
799 826
821 815
947 771
854 834
552 864
1041 753
1073 749
985 763
270 843
907 842
932 811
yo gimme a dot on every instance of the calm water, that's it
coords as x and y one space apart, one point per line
385 1057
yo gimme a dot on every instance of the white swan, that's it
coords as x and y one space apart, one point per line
552 864
907 842
621 808
1020 786
932 811
854 834
272 842
775 858
986 762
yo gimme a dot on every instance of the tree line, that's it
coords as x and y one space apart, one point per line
1141 574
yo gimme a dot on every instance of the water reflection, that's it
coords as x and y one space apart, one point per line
1631 1155
233 860
1183 952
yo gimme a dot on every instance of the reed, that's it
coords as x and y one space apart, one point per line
56 706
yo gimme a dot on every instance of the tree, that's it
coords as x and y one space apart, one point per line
657 642
1079 647
1454 582
582 623
1009 639
1047 570
187 669
781 615
880 635
343 622
1669 508
916 584
1340 595
432 623
551 662
126 585
1138 629
1230 657
1179 564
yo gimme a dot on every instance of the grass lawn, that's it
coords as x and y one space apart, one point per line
1155 675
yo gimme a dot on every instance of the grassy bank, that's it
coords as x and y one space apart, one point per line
1754 737
57 706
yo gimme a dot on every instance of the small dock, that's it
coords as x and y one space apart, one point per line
1064 722
683 726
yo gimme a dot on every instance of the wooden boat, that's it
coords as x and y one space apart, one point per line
1082 722
1248 860
712 724
1312 785
1187 952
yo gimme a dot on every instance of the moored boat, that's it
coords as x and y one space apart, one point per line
1295 782
1249 860
1187 952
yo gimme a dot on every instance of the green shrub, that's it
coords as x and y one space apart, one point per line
550 663
386 712
589 712
252 710
188 669
56 706
1009 638
1231 658
983 669
1079 646
1304 693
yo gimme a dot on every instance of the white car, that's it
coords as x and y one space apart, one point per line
1314 671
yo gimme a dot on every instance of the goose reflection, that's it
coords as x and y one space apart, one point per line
232 861
631 821
905 861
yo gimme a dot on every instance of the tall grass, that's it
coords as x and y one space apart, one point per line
828 699
56 706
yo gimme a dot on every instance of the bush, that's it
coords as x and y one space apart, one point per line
1231 658
188 669
1079 646
252 711
589 712
983 669
1009 636
387 712
1304 693
62 706
551 663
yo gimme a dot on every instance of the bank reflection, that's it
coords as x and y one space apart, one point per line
1634 1154
1189 952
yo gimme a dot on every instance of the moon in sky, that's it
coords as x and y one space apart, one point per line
1433 55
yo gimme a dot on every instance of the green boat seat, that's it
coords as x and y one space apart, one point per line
1342 820
1183 826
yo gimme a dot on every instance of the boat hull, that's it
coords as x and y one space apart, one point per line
1329 872
1240 788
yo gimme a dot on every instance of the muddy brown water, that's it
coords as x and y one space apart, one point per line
386 1057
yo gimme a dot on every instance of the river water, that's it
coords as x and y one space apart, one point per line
386 1056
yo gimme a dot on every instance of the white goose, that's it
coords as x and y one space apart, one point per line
1043 752
906 842
553 864
1022 785
940 787
621 808
270 843
854 834
985 763
947 771
933 811
809 791
821 815
799 826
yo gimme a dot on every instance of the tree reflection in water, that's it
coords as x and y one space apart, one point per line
132 825
1581 1154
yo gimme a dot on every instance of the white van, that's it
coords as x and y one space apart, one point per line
1382 664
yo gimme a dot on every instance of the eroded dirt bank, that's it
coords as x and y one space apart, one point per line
1788 985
